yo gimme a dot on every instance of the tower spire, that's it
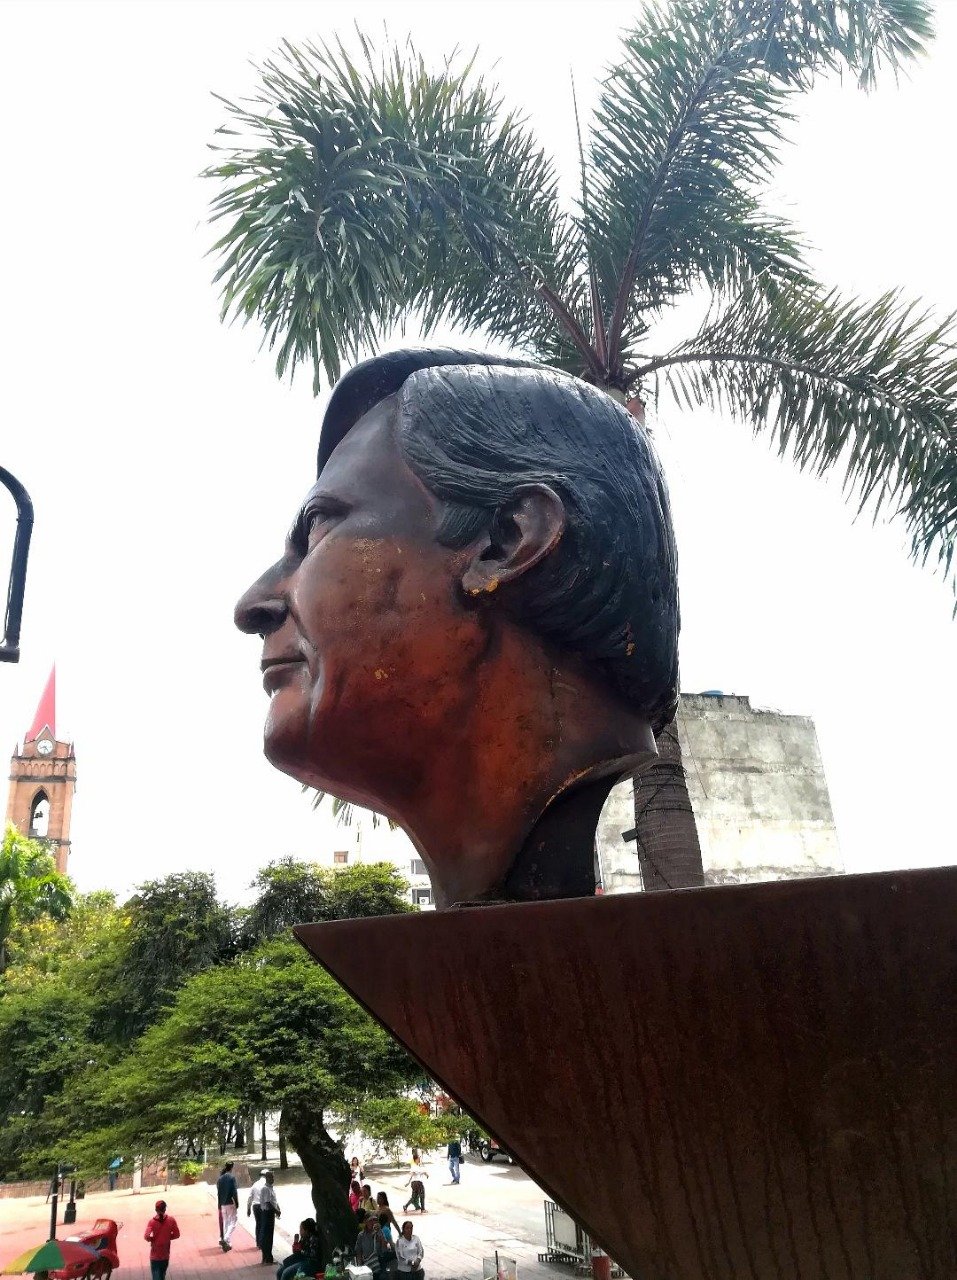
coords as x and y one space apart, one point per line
45 717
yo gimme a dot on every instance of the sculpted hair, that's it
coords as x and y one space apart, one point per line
474 428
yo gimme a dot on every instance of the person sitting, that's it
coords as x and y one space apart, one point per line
371 1247
306 1259
409 1254
388 1258
367 1202
355 1196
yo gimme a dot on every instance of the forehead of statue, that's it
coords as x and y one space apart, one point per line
368 474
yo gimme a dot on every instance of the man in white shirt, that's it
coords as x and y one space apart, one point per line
269 1212
409 1254
253 1205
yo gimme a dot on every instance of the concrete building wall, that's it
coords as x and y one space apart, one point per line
759 794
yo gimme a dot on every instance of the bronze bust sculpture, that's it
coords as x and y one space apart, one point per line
473 627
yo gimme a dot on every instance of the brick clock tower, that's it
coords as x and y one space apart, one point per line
42 781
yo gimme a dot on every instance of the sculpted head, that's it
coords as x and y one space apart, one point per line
473 626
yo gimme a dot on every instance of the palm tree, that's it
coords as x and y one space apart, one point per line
30 886
360 193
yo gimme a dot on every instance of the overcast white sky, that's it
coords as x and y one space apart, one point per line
165 459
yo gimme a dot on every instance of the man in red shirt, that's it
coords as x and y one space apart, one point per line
160 1231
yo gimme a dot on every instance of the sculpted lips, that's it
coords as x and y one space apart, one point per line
277 669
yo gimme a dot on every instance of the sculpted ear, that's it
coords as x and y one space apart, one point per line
523 531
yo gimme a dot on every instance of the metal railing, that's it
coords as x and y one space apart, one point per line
568 1242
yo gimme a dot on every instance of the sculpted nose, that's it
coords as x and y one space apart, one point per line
263 609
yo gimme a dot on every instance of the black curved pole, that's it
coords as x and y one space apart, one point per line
10 647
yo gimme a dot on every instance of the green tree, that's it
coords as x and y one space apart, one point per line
289 892
45 1040
30 886
51 1022
270 1031
85 944
400 1122
358 194
176 927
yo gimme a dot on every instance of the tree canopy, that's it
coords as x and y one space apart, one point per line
31 888
104 1052
290 892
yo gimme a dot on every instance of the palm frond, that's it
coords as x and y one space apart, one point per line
688 126
345 813
355 187
798 38
869 385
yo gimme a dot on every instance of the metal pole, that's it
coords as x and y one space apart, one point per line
69 1215
10 642
54 1196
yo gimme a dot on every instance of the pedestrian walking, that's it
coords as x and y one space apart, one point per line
253 1206
356 1172
160 1231
409 1252
269 1212
227 1200
417 1173
455 1160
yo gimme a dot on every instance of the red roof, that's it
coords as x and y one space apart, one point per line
45 717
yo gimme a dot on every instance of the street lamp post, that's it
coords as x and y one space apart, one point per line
54 1200
10 642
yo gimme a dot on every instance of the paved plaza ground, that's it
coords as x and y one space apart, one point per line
494 1207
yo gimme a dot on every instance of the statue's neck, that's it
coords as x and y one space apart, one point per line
507 805
557 857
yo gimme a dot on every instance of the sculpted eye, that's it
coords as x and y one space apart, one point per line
313 521
317 518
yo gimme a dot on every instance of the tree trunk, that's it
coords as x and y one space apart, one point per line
264 1135
667 838
283 1154
251 1133
328 1172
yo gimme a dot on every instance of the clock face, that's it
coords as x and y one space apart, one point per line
44 746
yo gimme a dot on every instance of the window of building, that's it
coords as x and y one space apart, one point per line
418 867
40 816
423 897
341 857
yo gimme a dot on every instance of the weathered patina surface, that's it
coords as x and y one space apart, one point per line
756 1082
473 629
473 626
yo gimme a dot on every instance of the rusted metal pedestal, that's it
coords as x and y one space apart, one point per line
743 1083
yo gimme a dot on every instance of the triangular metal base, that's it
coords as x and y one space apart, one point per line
743 1083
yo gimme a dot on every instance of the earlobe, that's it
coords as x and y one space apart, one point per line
521 533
